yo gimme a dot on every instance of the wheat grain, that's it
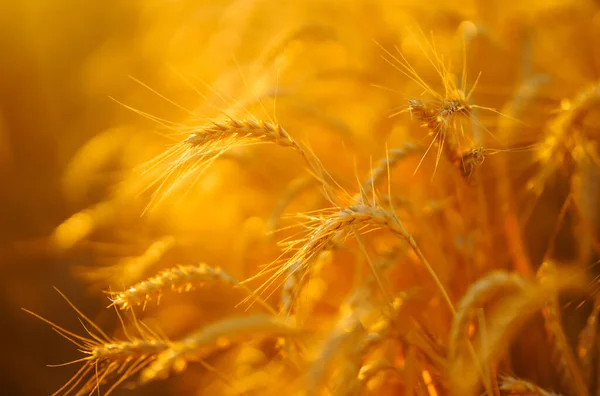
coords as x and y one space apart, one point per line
469 161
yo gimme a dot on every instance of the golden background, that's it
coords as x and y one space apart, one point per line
316 67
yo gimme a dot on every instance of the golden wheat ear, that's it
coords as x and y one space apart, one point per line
106 359
184 162
588 339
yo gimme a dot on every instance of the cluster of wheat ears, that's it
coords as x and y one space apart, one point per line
407 256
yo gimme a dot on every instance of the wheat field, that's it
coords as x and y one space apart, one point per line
309 197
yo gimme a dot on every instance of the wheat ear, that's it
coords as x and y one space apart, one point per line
570 373
215 336
440 114
106 358
192 156
295 188
516 108
178 279
340 224
493 284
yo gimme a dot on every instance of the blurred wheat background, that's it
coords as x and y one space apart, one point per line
91 91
